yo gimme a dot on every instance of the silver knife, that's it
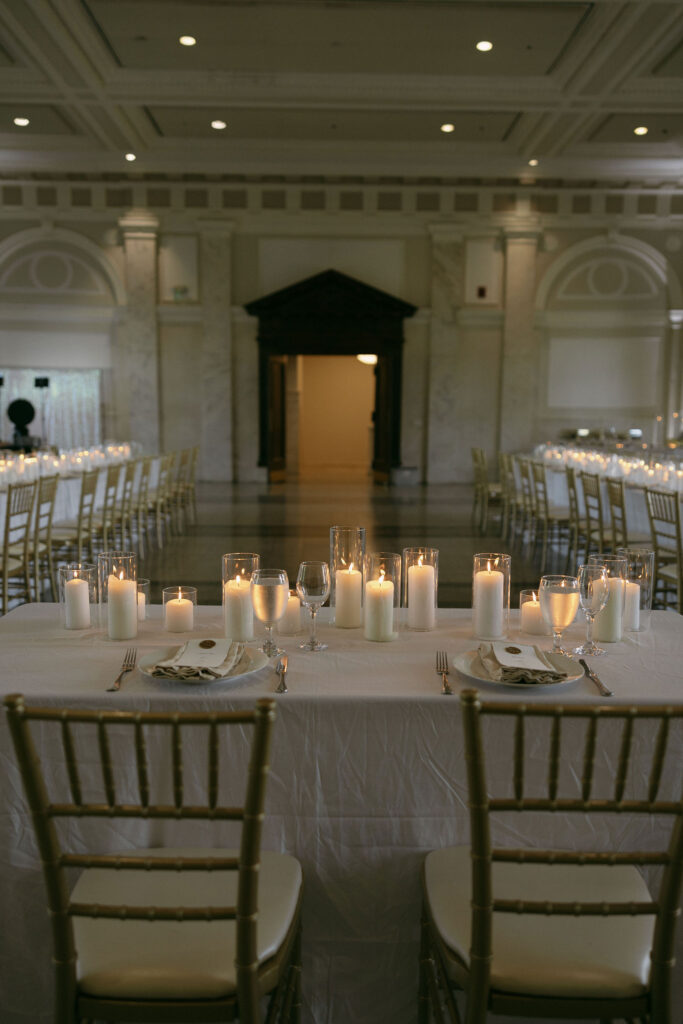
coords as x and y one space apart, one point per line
595 679
281 669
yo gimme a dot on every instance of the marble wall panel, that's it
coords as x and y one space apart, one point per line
216 456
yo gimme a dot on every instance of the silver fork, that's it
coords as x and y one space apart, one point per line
128 666
442 669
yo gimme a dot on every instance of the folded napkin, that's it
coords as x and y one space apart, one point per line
201 659
518 663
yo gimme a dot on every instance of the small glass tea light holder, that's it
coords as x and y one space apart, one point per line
530 616
420 577
118 590
608 624
347 565
143 599
640 568
290 623
382 596
77 594
238 612
491 595
179 605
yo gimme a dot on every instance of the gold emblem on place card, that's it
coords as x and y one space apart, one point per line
207 643
513 650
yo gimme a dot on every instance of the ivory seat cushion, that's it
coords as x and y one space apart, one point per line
14 566
670 571
183 960
580 957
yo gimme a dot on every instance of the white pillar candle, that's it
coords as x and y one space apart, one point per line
532 619
421 597
379 610
607 626
488 603
631 605
179 614
290 623
347 598
122 608
76 604
238 611
142 606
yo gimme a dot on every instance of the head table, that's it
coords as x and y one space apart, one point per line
367 776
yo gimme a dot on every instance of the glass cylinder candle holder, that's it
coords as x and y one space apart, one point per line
290 623
238 612
117 579
143 599
640 567
382 596
530 616
179 605
608 624
77 594
347 565
491 595
420 584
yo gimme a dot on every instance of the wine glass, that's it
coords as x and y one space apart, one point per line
269 596
559 600
313 588
593 594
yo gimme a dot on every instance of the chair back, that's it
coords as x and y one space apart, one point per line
663 509
109 502
45 510
617 511
539 489
525 481
144 774
21 499
571 738
86 511
478 467
592 500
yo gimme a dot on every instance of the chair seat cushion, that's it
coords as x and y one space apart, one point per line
670 571
13 567
580 957
176 960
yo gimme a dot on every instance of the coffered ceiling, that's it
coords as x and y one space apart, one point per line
344 88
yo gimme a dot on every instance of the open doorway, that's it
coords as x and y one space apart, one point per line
330 418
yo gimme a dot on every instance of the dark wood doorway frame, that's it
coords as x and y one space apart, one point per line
331 314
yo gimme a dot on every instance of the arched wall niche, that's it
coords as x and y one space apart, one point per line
602 312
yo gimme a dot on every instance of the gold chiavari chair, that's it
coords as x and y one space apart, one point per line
486 493
123 507
664 510
141 502
592 503
523 472
577 523
75 535
191 485
556 933
160 934
16 548
179 492
511 500
158 498
622 537
105 527
553 519
42 547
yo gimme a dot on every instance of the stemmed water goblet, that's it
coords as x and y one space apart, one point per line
558 597
269 596
313 588
593 594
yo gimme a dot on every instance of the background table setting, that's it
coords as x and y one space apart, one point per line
367 764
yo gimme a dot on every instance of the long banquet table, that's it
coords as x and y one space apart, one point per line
367 776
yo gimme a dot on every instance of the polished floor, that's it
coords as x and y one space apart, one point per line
289 522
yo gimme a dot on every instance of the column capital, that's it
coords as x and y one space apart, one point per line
527 234
675 318
139 224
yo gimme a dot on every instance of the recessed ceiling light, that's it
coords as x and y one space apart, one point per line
369 360
642 130
484 46
21 122
219 125
533 162
130 157
187 40
447 128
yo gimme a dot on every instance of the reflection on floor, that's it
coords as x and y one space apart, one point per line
289 522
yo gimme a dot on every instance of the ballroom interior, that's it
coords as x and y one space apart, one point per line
334 248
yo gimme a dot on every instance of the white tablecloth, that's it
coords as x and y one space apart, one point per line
367 775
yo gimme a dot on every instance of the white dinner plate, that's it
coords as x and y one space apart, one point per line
469 665
251 661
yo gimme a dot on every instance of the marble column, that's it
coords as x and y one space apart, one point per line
217 403
246 435
520 361
136 351
673 376
447 291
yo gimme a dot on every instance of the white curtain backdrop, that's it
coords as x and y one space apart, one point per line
71 406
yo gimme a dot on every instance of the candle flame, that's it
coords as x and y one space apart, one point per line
121 575
351 567
237 580
419 561
180 593
381 578
534 596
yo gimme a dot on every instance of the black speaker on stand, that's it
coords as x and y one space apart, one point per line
42 382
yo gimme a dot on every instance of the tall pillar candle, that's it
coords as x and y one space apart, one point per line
122 608
348 598
76 604
379 610
238 612
488 604
631 619
607 627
